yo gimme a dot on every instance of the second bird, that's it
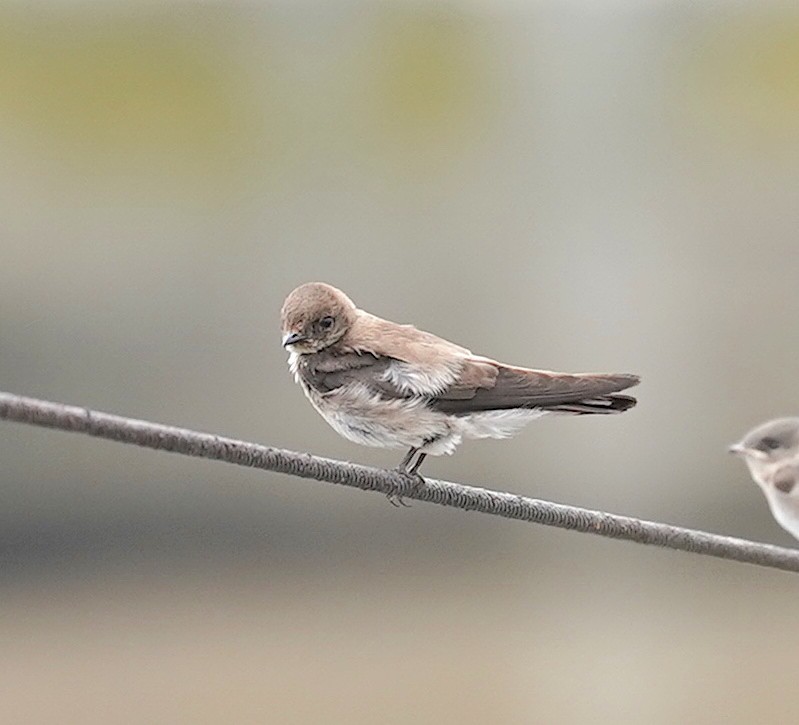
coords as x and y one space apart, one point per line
771 452
388 385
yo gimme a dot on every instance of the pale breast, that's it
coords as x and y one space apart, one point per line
498 423
364 417
785 509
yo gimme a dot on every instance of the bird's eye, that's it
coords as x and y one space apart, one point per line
326 323
770 444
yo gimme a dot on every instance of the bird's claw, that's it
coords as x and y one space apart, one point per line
396 499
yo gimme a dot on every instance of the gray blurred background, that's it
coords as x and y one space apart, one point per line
574 185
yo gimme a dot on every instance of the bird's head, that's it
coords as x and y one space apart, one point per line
315 316
769 444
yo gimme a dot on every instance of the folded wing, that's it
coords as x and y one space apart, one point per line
480 385
487 385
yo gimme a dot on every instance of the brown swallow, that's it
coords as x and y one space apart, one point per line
387 385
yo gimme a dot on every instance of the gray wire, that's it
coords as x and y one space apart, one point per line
205 445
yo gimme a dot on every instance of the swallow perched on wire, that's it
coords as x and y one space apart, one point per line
382 384
771 452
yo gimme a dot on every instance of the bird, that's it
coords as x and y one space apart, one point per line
389 385
771 452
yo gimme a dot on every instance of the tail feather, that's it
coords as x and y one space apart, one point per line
507 388
604 405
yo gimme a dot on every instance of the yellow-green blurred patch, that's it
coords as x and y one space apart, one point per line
741 83
427 89
107 90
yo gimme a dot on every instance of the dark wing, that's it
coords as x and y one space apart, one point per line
482 385
326 371
486 385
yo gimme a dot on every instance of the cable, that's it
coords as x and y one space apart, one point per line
498 503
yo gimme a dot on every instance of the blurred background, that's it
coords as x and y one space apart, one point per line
573 185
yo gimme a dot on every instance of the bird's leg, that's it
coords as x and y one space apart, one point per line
413 469
405 471
403 466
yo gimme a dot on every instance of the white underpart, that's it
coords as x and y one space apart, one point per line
371 420
785 509
498 423
294 365
363 416
784 506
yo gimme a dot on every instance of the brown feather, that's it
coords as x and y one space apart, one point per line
514 387
484 385
329 370
401 342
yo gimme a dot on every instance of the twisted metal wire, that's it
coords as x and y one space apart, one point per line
469 498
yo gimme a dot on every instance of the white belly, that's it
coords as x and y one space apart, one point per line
785 509
366 418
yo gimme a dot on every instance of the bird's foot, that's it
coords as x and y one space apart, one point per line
411 471
396 499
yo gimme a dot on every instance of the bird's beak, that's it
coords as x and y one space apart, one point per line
739 449
292 338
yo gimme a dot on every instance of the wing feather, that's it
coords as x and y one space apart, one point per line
477 389
481 385
327 371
